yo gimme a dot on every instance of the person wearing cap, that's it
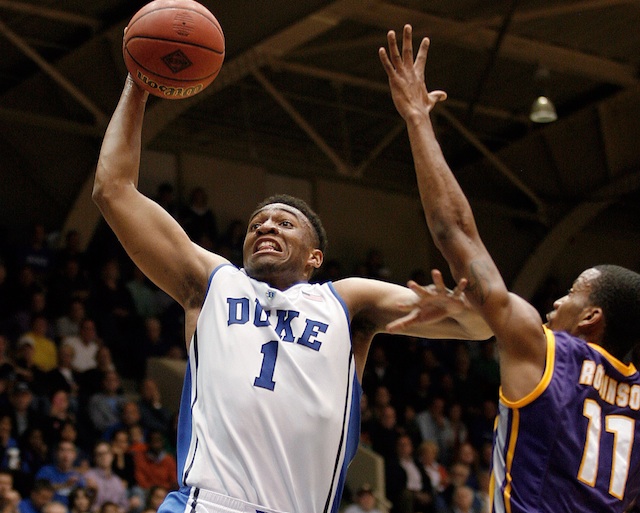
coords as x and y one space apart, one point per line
365 501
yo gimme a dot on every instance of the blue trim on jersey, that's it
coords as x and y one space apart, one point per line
176 501
184 424
344 305
353 440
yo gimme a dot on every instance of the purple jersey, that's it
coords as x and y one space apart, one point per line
569 445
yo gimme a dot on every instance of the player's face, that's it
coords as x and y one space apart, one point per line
279 246
567 311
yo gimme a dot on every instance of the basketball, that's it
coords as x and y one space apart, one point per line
173 48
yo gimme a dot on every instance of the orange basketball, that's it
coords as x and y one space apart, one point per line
173 48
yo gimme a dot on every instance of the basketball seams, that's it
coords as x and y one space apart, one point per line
173 78
214 22
167 40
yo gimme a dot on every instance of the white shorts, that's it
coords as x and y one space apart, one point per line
197 500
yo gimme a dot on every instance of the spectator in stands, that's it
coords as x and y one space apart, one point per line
81 500
10 457
45 350
68 324
154 342
153 414
25 368
64 377
433 423
59 412
100 478
143 294
155 496
365 501
231 242
42 492
85 346
123 464
70 284
114 312
62 475
91 379
378 372
105 406
34 450
155 466
198 220
23 411
9 496
433 470
463 500
128 416
37 254
69 433
37 307
385 432
55 507
404 484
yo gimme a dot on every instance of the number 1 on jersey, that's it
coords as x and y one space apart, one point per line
265 379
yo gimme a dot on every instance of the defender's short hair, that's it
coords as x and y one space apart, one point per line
617 291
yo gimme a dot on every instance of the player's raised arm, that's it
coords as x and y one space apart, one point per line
516 324
152 238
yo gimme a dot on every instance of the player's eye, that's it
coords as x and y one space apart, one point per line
286 223
253 227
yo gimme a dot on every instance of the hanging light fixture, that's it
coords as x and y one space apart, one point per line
543 111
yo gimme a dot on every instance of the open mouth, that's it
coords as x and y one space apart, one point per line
267 246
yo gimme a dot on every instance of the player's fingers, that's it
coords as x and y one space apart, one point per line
384 59
407 44
394 52
421 58
438 96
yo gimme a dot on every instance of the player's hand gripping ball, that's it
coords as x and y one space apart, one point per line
173 48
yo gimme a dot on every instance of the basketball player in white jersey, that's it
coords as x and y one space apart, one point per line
566 436
269 417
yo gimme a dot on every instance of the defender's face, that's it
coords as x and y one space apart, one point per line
567 311
278 245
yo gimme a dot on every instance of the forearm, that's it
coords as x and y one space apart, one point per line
447 211
119 160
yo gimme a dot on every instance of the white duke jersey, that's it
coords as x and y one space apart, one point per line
270 410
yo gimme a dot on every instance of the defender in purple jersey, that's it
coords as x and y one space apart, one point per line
567 434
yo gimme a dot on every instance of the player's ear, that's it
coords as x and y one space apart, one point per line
592 319
315 258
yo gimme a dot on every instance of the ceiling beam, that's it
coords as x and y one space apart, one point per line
555 10
469 35
99 116
288 39
52 14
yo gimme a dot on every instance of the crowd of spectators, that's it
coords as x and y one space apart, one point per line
75 324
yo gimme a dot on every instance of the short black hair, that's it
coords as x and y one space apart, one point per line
617 291
302 206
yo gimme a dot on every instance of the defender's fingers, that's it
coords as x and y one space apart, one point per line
407 43
438 280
